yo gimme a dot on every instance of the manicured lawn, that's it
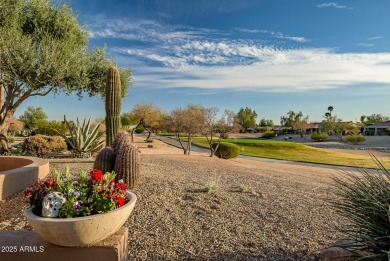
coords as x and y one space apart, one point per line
295 152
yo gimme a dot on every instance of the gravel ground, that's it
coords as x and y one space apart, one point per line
260 210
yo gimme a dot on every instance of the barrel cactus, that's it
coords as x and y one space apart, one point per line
105 160
113 104
127 164
122 137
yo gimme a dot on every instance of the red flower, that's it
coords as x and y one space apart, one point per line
96 174
51 183
122 186
121 201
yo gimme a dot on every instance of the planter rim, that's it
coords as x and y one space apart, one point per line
28 212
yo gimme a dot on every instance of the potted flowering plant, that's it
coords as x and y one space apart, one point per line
85 195
77 211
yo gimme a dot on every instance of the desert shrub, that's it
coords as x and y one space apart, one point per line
355 138
40 146
139 130
268 134
213 183
51 128
319 136
226 150
362 201
11 139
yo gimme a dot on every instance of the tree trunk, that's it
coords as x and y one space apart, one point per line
4 123
189 144
2 99
150 133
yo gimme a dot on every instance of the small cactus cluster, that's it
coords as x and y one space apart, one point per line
123 158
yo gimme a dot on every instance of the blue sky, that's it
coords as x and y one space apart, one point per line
270 55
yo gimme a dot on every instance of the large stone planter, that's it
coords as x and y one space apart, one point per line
17 172
81 231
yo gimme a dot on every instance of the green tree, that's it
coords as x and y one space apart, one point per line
127 119
33 117
247 118
43 49
51 128
334 125
292 120
373 119
266 123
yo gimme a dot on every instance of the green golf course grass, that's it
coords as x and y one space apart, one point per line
295 152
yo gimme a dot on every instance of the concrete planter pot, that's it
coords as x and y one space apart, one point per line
81 231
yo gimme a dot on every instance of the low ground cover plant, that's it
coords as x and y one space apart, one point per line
212 185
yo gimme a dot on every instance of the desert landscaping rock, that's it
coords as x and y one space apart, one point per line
260 210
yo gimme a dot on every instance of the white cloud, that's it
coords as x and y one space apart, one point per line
273 34
165 56
335 5
365 44
374 38
285 71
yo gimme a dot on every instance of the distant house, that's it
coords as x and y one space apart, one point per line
313 127
377 129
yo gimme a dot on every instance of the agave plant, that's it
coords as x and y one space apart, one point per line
81 139
363 200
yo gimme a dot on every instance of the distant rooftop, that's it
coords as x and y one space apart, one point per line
382 124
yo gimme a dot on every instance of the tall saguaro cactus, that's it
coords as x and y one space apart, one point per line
113 104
